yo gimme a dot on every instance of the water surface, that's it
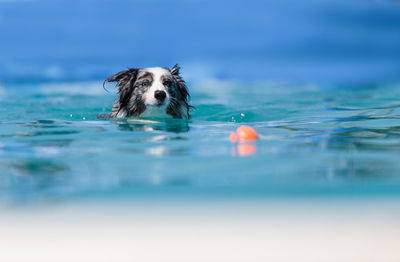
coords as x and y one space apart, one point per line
314 141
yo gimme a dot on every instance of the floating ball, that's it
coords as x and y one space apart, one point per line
243 134
233 137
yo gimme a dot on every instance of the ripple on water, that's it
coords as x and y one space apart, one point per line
313 140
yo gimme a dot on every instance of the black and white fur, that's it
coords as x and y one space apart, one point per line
150 92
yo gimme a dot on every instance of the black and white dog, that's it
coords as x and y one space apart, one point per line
150 92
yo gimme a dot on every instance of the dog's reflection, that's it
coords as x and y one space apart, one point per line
159 148
151 125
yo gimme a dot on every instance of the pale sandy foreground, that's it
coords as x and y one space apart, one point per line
224 230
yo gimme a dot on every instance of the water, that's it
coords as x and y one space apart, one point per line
246 63
314 140
318 80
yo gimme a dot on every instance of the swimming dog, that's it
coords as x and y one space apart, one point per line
150 92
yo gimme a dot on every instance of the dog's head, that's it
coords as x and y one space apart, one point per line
150 92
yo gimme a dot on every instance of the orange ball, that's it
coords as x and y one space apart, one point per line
233 137
243 134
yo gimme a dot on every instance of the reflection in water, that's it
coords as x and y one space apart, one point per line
307 139
143 125
43 123
244 149
38 166
159 151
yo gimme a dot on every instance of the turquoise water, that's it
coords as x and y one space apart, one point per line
315 140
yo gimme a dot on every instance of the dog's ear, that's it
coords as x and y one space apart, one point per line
125 81
175 70
181 83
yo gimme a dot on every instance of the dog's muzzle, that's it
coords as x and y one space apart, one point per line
160 96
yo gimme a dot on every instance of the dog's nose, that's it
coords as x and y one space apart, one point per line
160 95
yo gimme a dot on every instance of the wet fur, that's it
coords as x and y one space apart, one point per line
131 103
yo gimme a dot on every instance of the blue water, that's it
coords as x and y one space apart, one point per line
314 140
318 80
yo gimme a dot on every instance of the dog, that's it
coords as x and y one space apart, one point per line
150 92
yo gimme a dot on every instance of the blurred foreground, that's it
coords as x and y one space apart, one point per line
333 230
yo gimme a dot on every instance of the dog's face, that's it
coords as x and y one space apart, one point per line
155 85
150 92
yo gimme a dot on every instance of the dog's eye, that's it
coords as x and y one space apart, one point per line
167 82
145 83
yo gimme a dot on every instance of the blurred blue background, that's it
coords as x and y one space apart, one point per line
320 41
